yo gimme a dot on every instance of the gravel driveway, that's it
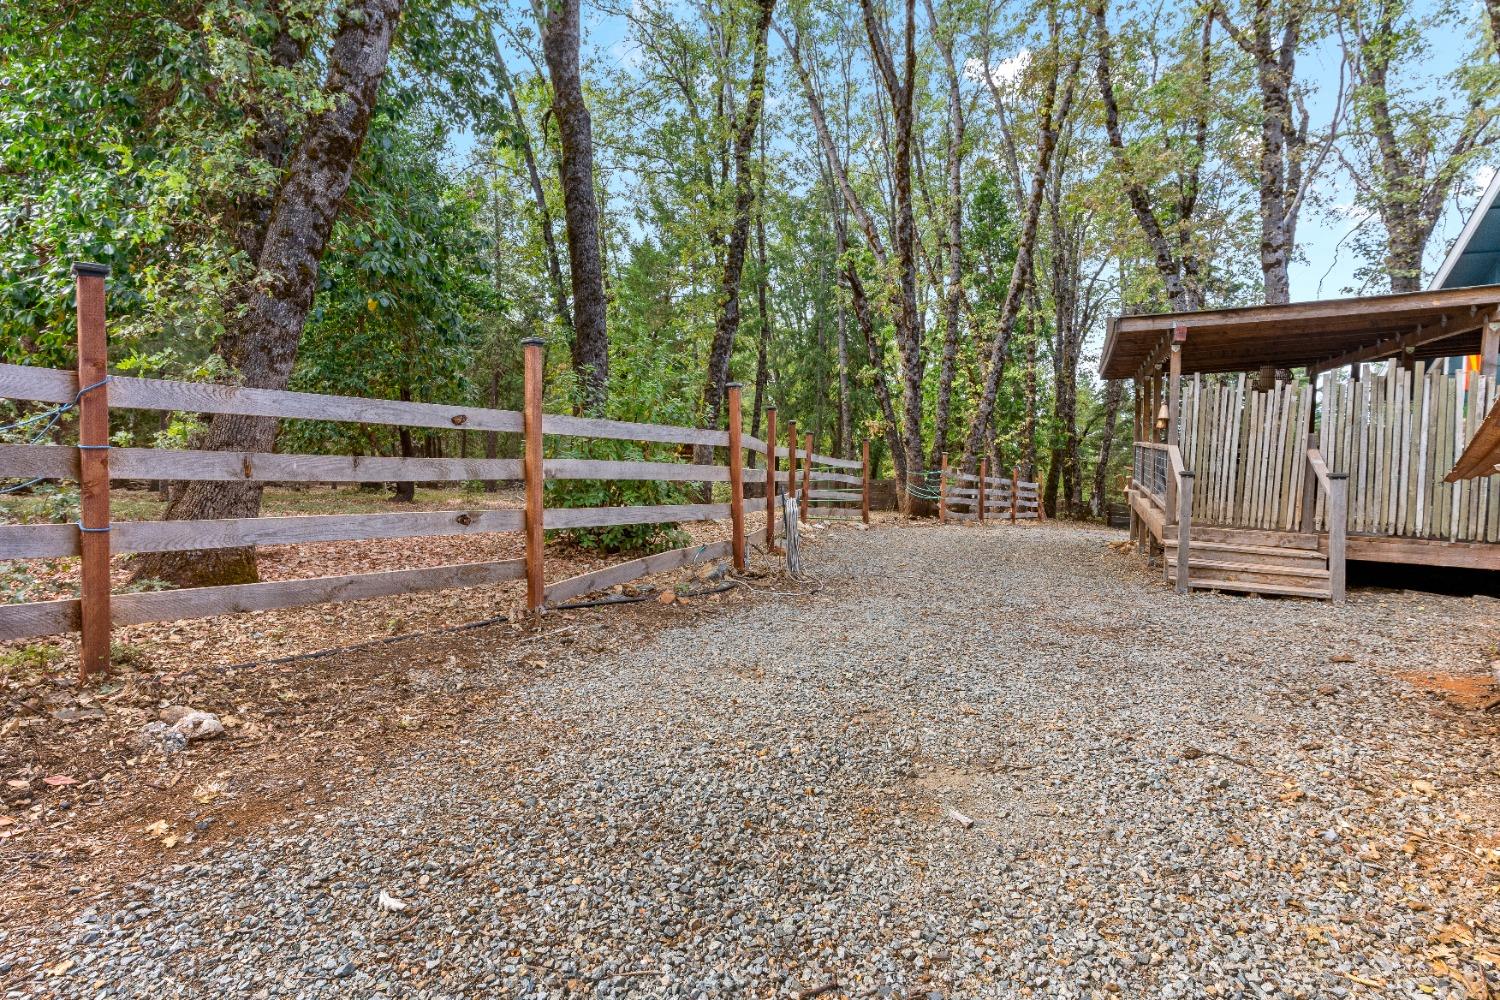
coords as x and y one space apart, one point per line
1157 796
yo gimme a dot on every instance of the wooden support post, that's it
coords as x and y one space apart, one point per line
531 427
1139 400
943 491
93 469
1489 345
1153 413
864 489
791 458
771 478
1338 508
1015 490
807 465
1174 391
1184 529
981 490
736 478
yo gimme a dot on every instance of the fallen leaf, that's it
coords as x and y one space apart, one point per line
60 779
1420 786
667 597
390 903
158 828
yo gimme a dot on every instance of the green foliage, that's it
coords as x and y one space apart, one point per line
617 493
404 295
28 662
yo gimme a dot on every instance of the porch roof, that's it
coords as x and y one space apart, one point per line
1319 335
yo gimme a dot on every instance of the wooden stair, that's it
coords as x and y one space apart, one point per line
1282 563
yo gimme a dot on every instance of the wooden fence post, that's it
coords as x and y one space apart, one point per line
807 464
531 425
93 469
1338 517
981 490
736 478
864 489
943 491
791 459
771 478
1015 490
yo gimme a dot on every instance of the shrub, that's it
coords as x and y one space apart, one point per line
617 493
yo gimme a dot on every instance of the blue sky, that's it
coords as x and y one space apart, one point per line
1326 262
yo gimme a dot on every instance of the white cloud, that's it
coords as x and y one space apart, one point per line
1006 73
1484 176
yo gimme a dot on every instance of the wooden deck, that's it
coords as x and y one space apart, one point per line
1360 546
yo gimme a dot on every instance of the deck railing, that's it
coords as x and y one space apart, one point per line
1396 434
1152 467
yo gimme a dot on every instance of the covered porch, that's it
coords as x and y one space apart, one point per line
1269 451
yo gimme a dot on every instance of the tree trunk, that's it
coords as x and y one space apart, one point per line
405 491
982 424
1279 170
522 137
1114 396
728 322
900 88
954 292
1029 403
1174 265
492 438
762 307
262 341
560 42
1049 491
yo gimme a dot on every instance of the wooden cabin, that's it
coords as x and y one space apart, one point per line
1274 443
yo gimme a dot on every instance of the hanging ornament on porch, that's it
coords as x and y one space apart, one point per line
1162 415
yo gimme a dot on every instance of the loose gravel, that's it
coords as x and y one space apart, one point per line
1170 797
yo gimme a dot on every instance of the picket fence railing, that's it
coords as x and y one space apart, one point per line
93 463
981 496
1396 434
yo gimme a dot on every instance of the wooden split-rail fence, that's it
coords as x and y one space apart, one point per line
93 462
964 496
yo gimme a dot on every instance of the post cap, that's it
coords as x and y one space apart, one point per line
81 268
734 385
533 341
770 406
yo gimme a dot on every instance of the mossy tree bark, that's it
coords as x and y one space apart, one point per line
262 343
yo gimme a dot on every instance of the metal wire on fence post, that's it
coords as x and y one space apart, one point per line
789 512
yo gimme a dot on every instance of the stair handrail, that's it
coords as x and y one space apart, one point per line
1180 505
1335 487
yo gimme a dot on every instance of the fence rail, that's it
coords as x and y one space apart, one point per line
980 496
93 463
